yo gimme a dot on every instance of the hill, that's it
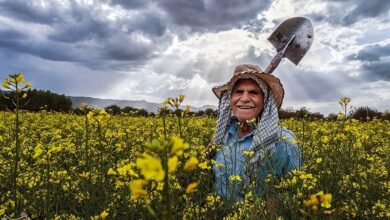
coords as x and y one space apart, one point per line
140 104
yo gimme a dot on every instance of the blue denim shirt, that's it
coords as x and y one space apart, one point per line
231 161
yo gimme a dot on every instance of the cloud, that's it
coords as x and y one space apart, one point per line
30 11
90 34
16 41
130 4
375 62
213 15
351 11
366 9
373 52
61 77
85 29
377 70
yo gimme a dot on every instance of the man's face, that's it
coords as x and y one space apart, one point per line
247 100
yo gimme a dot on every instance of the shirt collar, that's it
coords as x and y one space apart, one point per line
233 131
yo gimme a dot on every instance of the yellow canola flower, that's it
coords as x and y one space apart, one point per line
319 160
6 84
103 215
2 211
172 164
312 202
191 187
235 178
204 166
191 164
325 139
160 186
111 172
306 176
137 188
38 151
326 200
151 168
178 146
28 85
19 78
328 212
125 170
133 173
294 180
248 153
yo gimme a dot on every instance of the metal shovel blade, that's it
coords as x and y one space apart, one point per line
292 39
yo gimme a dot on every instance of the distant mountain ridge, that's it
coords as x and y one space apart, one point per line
140 104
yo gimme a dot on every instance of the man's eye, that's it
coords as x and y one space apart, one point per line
254 92
239 91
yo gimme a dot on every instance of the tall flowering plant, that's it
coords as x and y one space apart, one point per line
17 86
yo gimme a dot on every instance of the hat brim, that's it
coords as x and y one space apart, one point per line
271 81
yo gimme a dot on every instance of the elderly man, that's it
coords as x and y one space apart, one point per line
248 133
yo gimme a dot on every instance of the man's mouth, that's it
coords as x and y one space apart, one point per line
244 107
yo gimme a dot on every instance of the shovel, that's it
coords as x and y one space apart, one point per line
292 39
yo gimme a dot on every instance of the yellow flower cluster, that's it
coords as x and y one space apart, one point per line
319 198
160 160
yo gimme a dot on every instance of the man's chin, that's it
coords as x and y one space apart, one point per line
243 118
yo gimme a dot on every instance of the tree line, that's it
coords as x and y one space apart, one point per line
37 100
46 100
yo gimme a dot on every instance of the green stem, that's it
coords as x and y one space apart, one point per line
17 146
180 134
167 197
86 144
165 128
100 162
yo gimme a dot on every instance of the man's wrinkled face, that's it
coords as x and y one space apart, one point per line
247 100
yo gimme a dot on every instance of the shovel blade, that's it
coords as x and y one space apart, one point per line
302 29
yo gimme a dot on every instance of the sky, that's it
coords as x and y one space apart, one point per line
151 50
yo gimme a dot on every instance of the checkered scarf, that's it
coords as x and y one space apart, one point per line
267 131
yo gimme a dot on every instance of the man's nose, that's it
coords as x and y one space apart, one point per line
245 97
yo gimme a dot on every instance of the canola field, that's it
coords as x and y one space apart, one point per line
98 166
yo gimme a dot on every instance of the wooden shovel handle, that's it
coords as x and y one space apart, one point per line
278 57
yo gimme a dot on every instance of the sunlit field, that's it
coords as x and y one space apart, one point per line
99 166
121 167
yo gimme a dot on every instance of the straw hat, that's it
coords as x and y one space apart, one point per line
251 71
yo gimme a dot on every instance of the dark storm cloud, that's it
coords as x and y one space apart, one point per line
15 41
364 8
85 26
347 12
375 62
130 4
84 29
84 34
212 15
127 50
60 77
29 12
378 70
371 53
149 23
